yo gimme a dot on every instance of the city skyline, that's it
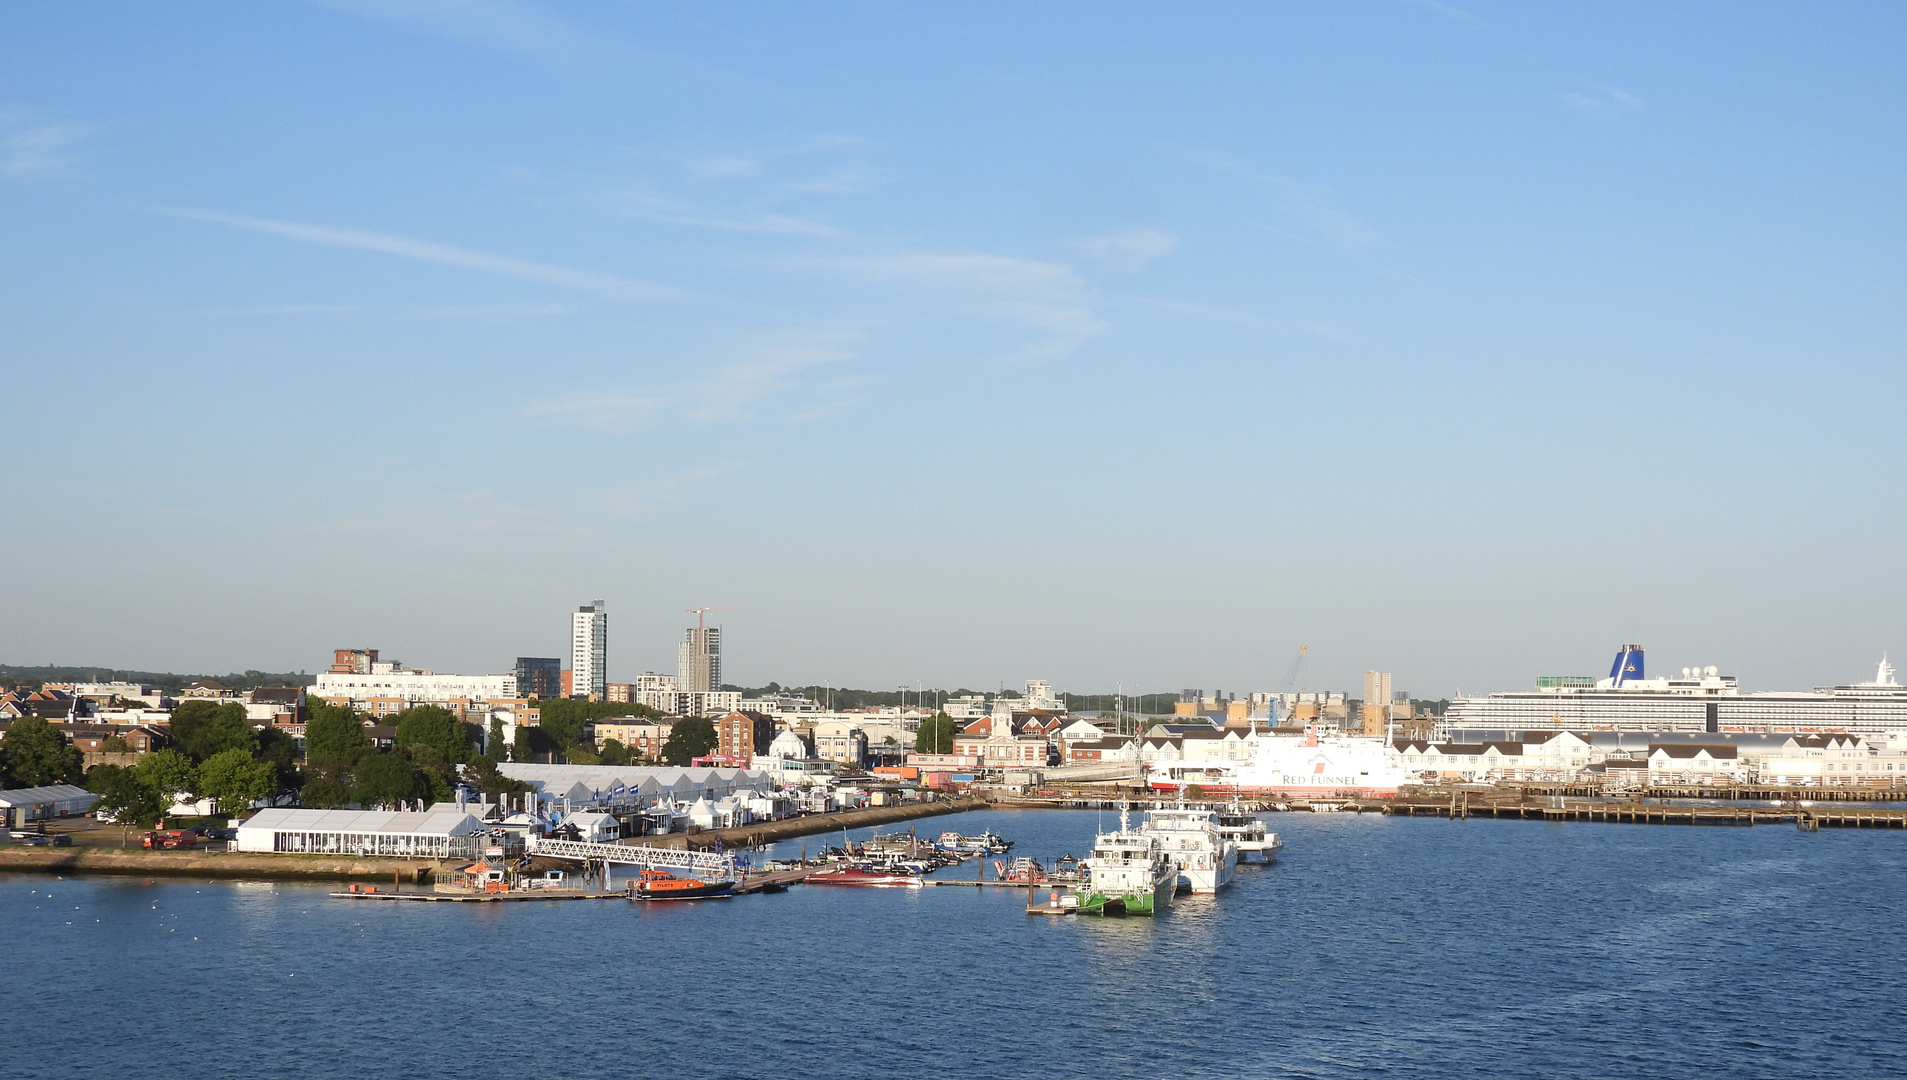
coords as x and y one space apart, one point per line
1459 341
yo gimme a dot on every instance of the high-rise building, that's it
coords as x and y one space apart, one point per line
589 651
1377 701
539 676
698 662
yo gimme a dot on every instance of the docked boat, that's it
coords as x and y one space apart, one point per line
1247 830
662 885
1190 837
1308 765
855 875
1024 870
987 843
1127 874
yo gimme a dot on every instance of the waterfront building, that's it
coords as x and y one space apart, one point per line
431 834
21 805
1701 699
540 677
740 735
840 740
589 651
699 660
1120 748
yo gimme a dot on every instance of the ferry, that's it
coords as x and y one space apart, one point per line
1128 874
1309 765
1190 837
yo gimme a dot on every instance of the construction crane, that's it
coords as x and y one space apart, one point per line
701 614
1291 675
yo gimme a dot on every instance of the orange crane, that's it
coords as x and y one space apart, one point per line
701 613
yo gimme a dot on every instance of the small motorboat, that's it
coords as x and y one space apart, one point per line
662 885
855 875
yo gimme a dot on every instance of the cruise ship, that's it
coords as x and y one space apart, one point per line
1699 699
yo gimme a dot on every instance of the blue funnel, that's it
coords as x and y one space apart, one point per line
1628 665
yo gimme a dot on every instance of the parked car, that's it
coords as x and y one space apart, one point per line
30 839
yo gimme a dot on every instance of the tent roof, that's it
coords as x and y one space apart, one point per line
429 823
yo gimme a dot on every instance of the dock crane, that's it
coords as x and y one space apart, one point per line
701 614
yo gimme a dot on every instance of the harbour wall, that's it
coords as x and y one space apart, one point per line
212 864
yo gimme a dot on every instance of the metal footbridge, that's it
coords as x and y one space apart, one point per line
630 855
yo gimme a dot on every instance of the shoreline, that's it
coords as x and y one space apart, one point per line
135 862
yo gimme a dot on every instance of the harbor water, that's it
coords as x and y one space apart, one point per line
1400 946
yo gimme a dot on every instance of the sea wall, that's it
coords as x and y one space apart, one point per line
141 863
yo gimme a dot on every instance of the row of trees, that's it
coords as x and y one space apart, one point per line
216 755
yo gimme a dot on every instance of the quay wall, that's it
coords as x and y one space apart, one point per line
217 864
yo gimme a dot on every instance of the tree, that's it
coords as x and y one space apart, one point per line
203 728
324 793
235 780
523 747
333 731
493 741
439 773
37 754
689 739
614 752
169 774
483 775
277 747
436 727
562 719
113 744
936 734
122 797
386 779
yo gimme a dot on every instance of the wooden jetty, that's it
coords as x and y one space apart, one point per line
475 897
1461 805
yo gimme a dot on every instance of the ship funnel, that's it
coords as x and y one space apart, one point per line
1628 665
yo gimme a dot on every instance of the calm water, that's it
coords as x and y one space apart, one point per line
1409 947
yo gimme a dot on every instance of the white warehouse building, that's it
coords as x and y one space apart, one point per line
414 685
433 834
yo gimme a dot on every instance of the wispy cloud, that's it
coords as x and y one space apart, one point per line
666 211
1309 206
508 26
727 393
426 311
38 150
1129 250
1446 11
606 285
1603 103
1047 297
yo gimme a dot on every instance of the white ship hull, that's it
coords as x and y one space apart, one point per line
1293 767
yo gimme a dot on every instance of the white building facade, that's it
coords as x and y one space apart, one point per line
589 651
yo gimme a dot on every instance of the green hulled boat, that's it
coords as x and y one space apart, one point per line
1128 874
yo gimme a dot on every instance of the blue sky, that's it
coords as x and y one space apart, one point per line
1110 344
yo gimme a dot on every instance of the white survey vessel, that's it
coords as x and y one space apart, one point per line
1190 837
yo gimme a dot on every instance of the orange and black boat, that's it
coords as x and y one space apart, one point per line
662 885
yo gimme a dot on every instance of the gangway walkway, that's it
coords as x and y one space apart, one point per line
632 855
